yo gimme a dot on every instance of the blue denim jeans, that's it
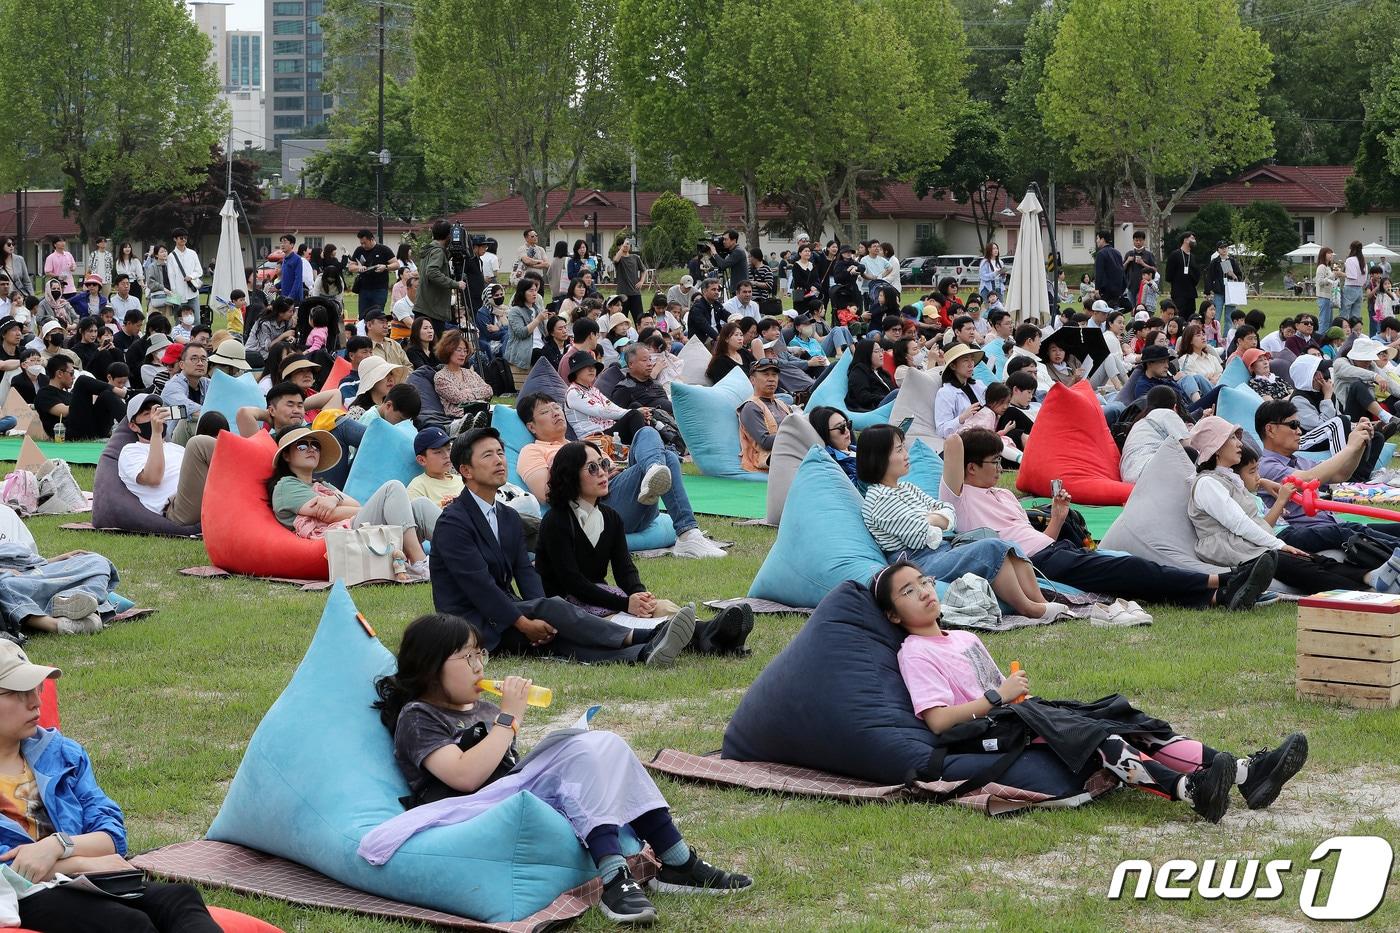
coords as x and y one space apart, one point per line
7 423
1195 383
1324 314
647 451
32 593
1351 301
839 337
372 300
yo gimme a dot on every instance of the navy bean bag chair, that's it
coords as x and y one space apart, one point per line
115 506
422 380
866 729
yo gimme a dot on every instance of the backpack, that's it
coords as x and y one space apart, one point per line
20 491
1075 530
496 372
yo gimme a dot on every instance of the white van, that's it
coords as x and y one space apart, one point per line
962 266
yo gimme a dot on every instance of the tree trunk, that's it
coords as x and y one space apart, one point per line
1102 193
853 205
751 209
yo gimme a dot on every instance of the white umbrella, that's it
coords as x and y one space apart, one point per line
1029 293
228 262
1306 251
1377 251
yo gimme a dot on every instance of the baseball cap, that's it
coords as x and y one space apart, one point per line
430 439
139 403
375 315
1101 307
764 363
16 671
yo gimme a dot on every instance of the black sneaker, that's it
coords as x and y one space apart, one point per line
1248 582
728 630
624 901
1270 770
698 876
1208 789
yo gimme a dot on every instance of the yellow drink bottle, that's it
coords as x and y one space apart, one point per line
538 696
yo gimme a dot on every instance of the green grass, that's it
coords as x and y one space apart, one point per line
166 706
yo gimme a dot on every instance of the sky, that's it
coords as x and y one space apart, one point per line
245 14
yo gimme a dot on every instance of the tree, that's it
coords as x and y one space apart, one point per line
1215 221
976 172
675 229
1163 111
350 29
1377 179
502 97
1276 233
995 29
150 216
119 97
344 171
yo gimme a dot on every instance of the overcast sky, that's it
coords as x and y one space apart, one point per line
245 14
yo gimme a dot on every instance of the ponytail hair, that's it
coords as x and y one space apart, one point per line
427 643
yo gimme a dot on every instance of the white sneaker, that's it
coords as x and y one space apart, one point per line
1114 615
1135 609
655 484
73 606
89 625
693 544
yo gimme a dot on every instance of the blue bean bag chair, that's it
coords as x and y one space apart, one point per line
1235 374
790 714
319 773
385 453
1238 406
227 395
661 533
995 351
708 417
832 391
514 436
984 374
925 468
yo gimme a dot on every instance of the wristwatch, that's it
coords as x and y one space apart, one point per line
506 719
66 841
992 697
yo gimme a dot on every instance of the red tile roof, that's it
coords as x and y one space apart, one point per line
1296 187
289 215
43 215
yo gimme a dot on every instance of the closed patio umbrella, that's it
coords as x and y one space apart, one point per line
1029 292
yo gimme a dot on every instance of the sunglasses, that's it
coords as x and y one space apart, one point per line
1295 424
599 467
304 446
842 427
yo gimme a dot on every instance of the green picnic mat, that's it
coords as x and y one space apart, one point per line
1099 517
72 451
735 498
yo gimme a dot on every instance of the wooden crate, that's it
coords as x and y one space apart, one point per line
1351 655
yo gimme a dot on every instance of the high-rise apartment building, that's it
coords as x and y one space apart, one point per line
295 52
237 59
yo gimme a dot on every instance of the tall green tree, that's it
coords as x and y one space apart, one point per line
1172 94
1377 179
675 228
151 215
350 29
344 171
976 172
119 97
996 30
513 97
1272 228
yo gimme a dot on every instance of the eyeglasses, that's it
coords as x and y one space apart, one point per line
994 462
923 583
304 446
472 655
600 467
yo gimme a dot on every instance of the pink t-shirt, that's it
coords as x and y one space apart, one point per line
999 510
946 670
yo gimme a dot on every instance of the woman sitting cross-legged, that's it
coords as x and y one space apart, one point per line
56 819
457 751
906 521
963 698
310 507
1232 528
461 388
580 537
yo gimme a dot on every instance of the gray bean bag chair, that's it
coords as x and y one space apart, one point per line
609 378
422 380
114 506
1153 524
915 400
546 379
694 358
791 716
795 437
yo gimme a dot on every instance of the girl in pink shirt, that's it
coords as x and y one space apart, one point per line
963 697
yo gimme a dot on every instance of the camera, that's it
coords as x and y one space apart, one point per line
715 243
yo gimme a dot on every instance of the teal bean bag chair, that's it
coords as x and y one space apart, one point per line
227 395
319 773
385 453
708 417
1235 374
1238 406
832 392
925 468
995 351
984 374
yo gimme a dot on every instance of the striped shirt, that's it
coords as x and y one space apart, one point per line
897 517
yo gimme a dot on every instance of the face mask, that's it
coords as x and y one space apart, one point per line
187 319
35 371
144 430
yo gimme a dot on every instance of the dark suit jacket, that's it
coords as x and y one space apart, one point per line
475 576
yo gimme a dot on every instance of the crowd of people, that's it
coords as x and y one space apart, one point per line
126 342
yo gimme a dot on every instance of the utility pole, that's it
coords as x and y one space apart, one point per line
633 221
381 157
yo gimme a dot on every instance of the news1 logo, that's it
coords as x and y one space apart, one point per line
1358 882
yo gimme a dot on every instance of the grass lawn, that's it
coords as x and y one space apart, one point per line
166 705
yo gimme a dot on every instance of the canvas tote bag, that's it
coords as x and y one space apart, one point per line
359 555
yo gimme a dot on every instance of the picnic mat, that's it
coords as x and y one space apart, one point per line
247 871
1099 517
734 498
89 526
309 585
992 798
73 451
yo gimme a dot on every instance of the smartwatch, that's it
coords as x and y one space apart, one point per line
506 719
992 697
66 841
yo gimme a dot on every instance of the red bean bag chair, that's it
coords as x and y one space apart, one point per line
241 534
230 921
1071 442
339 370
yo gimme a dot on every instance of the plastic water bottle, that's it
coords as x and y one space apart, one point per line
538 696
617 449
60 432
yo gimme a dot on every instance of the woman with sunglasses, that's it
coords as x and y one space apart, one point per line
581 537
311 507
13 265
458 753
837 433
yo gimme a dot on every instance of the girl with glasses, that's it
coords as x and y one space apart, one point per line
458 754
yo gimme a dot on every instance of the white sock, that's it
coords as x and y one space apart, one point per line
1241 770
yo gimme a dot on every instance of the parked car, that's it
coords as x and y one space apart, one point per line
962 266
916 270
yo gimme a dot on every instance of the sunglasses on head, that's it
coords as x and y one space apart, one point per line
600 467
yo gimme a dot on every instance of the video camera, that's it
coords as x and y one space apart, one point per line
459 243
715 243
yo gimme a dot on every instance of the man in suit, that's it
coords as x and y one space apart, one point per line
481 571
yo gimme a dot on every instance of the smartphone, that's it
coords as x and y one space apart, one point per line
180 413
1056 487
